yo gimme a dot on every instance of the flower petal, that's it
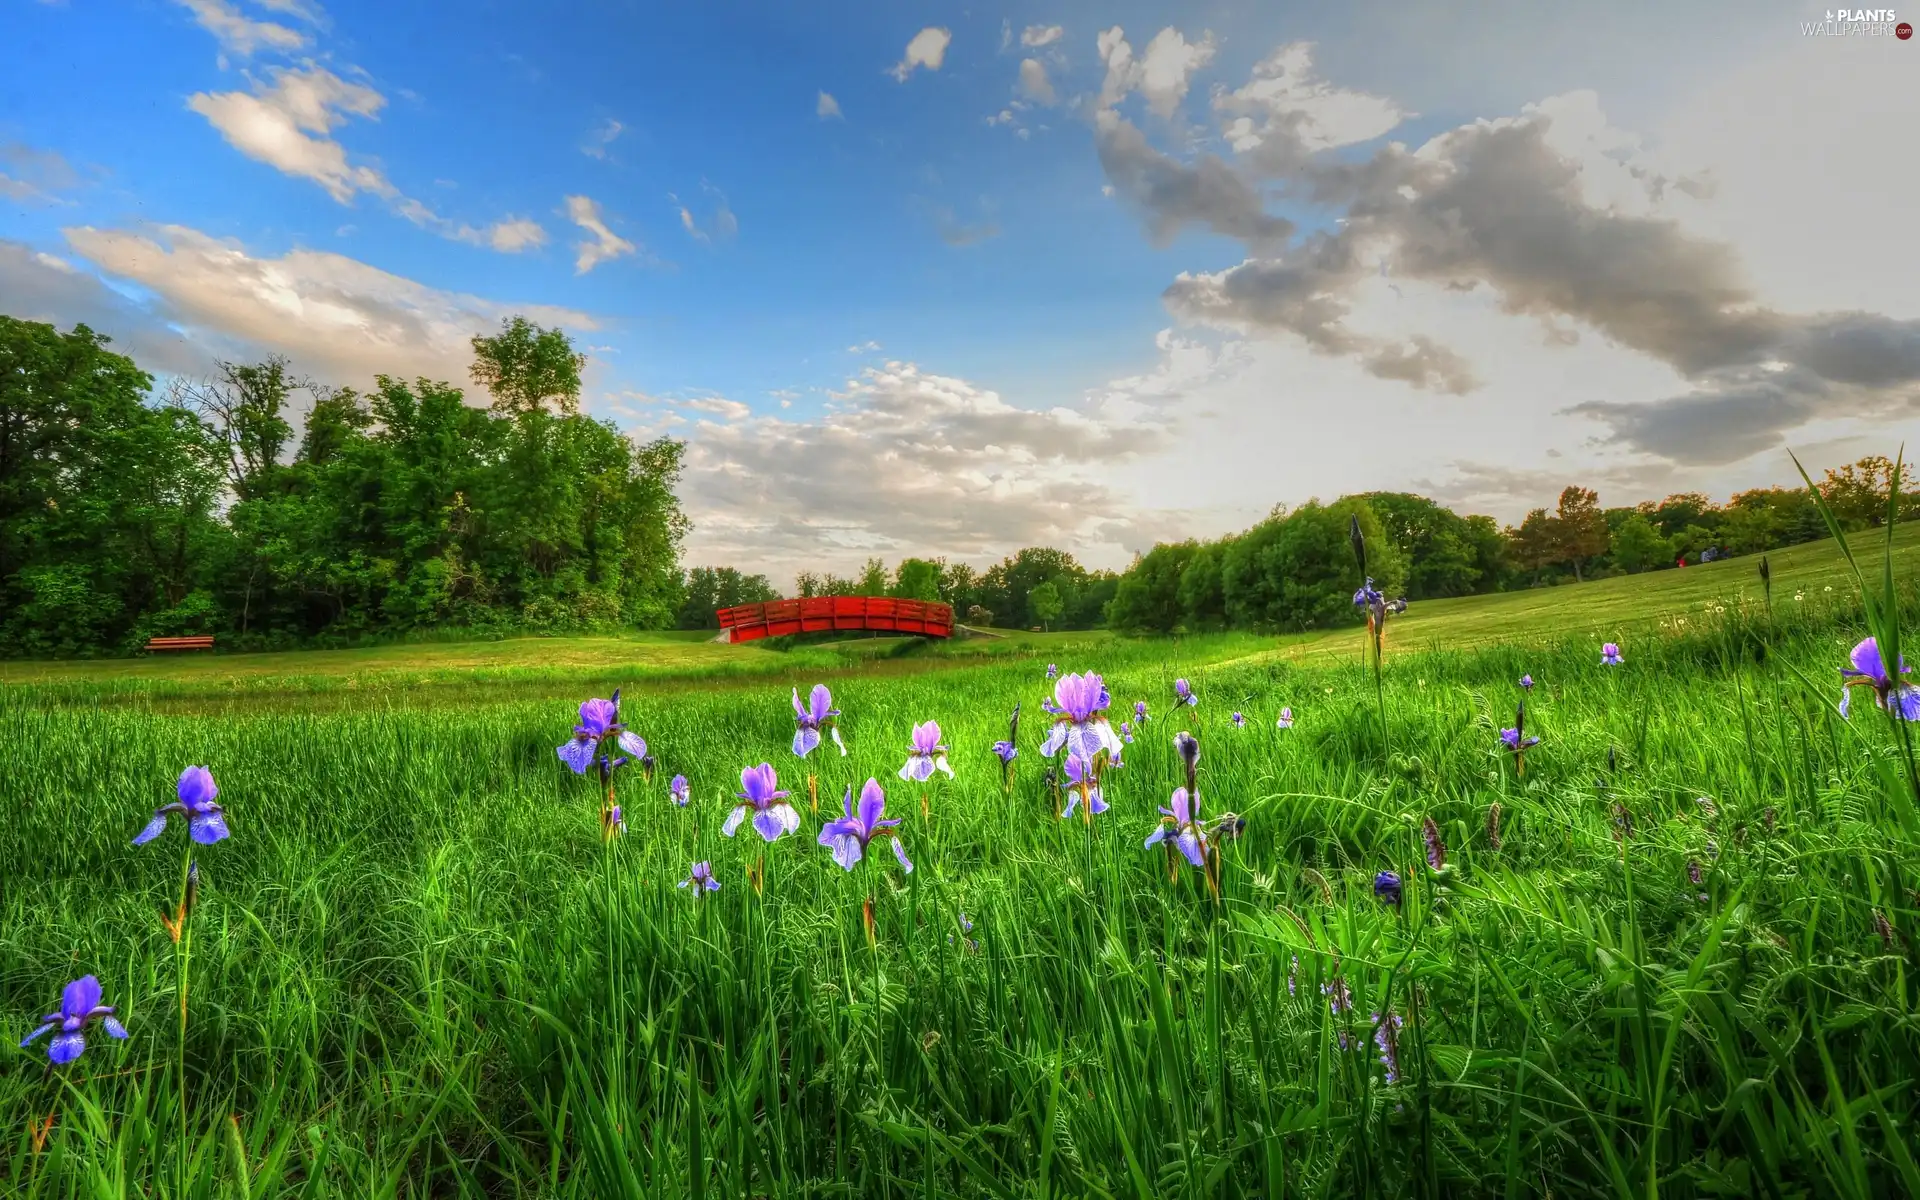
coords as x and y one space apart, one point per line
805 739
733 820
208 827
846 849
196 786
768 824
114 1027
633 743
1866 659
36 1033
835 731
154 829
873 805
900 852
66 1047
79 998
577 753
1191 845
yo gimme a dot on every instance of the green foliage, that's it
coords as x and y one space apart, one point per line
1147 599
1446 554
528 369
917 579
1638 546
709 589
400 510
1045 604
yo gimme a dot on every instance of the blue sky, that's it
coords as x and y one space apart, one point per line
1033 273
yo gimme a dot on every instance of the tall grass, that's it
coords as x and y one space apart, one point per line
417 970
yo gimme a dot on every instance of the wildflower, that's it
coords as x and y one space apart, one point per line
772 814
818 712
1436 849
599 723
611 822
1386 885
1083 779
1869 670
1239 721
1182 823
679 791
1339 996
1079 720
79 1007
1693 873
1526 681
849 836
1140 712
1516 741
1006 749
1006 752
1385 1033
206 820
927 755
1293 973
1610 655
1053 672
1183 694
701 879
1126 733
1286 719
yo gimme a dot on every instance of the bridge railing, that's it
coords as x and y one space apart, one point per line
817 614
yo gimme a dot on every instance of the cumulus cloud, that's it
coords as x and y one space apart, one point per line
1286 112
940 462
1162 73
721 226
510 235
927 49
1034 81
287 123
601 243
1170 195
28 173
337 318
242 35
1035 36
827 108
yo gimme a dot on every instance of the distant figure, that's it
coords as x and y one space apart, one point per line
1681 561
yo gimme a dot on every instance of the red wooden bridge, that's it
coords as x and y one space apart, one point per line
778 618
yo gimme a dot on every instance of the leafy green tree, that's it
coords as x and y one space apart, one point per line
1579 529
528 369
1638 546
1147 596
1045 604
1203 595
873 579
709 589
1004 587
917 579
1298 572
1440 549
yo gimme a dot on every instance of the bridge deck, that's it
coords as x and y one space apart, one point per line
779 618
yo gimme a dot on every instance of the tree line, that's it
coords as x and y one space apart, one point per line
125 515
1295 570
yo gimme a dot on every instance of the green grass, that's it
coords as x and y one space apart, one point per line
416 970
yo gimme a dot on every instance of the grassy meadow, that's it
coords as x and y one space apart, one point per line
416 968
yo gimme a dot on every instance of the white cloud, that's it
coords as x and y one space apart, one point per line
286 124
1034 81
29 173
1286 109
718 228
927 49
336 317
826 107
241 34
907 462
1162 74
514 234
603 243
602 137
863 348
509 235
1035 36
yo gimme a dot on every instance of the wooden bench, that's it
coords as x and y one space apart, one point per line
180 643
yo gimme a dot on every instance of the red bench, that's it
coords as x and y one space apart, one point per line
817 614
180 643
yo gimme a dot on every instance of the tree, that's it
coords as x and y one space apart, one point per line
1004 586
1147 597
917 579
528 369
1857 492
244 409
1044 602
1299 572
709 589
1638 546
873 579
1532 545
1440 549
1579 531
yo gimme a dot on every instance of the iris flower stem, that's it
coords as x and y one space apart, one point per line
183 958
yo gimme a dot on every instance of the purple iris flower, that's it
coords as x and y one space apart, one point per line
1239 720
1869 670
1286 719
1515 742
1183 694
772 814
811 716
599 723
679 791
1526 681
1386 885
1082 778
1126 733
927 754
206 820
611 822
1182 824
1140 712
1006 751
1610 655
1079 720
79 1007
849 837
1053 671
701 879
1369 598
